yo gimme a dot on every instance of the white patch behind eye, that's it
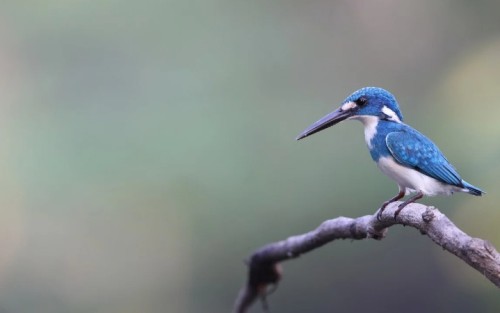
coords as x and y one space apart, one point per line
348 105
392 115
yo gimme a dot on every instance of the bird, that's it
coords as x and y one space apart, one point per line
400 151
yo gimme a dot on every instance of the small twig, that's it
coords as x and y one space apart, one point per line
264 269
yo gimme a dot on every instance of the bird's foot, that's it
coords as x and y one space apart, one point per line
419 195
381 210
400 207
400 195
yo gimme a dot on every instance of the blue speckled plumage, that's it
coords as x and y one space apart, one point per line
412 149
401 152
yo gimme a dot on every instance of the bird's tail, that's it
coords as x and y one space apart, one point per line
473 190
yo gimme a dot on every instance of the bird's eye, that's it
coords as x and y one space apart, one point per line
362 101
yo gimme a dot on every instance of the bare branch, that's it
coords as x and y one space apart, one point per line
264 267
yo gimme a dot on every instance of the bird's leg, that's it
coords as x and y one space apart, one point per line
419 195
400 195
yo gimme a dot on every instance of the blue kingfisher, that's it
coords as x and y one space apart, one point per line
400 151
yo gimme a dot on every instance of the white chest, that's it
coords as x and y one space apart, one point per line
414 180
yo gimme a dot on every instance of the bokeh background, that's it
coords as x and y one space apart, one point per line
147 148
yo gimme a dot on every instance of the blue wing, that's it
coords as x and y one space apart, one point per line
412 149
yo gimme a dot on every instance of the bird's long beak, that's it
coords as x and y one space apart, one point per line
326 121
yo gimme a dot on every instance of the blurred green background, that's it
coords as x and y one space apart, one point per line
147 148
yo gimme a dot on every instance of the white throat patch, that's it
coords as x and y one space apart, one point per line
370 123
391 114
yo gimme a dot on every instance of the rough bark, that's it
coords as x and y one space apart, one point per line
264 264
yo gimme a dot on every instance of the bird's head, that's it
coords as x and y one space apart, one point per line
362 104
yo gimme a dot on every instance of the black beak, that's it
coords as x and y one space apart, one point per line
326 121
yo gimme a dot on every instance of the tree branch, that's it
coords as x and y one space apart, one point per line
264 269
